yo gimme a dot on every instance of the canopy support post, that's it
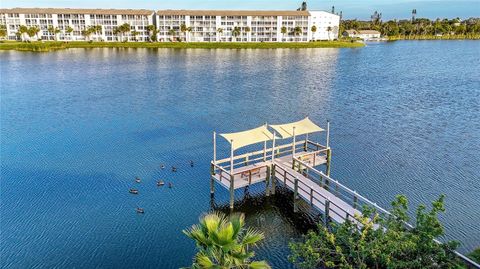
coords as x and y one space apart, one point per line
214 147
265 150
231 157
293 143
232 177
328 133
306 143
273 147
329 151
212 183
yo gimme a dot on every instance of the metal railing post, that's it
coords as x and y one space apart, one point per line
232 191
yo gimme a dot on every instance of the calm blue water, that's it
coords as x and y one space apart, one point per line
78 125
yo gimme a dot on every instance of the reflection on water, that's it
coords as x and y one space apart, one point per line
77 126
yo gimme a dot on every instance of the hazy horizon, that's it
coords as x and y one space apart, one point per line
391 9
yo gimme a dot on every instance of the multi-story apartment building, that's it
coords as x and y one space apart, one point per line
246 26
72 22
173 25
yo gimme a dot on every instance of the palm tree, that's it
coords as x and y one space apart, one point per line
220 32
123 29
22 30
283 30
87 33
183 29
134 34
97 29
69 31
3 31
248 30
151 29
172 32
297 31
329 29
224 242
54 31
33 31
51 30
236 32
189 30
314 29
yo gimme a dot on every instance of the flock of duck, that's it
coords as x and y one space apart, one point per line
160 183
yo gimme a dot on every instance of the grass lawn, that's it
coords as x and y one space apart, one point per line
52 45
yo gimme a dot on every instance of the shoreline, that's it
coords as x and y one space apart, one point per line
432 37
39 46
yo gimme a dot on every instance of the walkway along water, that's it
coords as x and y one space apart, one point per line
293 166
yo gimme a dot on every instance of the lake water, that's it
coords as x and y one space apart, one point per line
78 125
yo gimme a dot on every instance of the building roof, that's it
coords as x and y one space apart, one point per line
305 126
178 12
362 32
248 137
77 11
351 32
369 32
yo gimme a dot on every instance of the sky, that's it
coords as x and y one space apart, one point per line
352 9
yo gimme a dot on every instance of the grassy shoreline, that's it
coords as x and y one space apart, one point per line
52 45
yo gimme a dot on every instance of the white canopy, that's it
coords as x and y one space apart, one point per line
248 137
305 126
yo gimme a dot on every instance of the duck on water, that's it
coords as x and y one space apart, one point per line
133 191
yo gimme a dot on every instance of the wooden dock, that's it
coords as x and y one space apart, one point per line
293 166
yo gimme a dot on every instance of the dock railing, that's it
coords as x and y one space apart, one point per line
301 147
312 196
357 200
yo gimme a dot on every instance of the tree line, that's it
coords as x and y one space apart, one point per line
416 27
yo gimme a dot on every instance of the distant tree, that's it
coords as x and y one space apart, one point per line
152 32
135 34
87 33
376 18
53 31
97 30
220 32
3 31
297 31
69 31
283 30
183 29
22 30
236 32
124 29
313 29
362 244
223 243
172 33
329 30
33 31
248 30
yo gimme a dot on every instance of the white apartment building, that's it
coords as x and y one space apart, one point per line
198 25
246 26
78 20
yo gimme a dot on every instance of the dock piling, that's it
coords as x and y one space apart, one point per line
327 212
